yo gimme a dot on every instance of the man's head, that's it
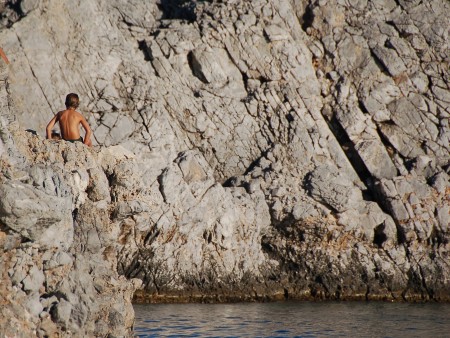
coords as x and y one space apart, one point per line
72 100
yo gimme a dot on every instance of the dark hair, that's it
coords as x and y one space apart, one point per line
72 100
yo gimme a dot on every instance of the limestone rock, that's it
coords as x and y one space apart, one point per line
244 149
47 278
39 217
331 186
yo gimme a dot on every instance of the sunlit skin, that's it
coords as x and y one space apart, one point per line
69 121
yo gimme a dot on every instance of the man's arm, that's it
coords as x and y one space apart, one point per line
87 129
50 126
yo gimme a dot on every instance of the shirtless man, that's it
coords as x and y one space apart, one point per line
69 122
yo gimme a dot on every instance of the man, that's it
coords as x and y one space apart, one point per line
69 122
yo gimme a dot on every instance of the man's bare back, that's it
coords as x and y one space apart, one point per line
69 123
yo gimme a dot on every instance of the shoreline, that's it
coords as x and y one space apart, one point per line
142 298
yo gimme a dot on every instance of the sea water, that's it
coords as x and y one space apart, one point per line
294 319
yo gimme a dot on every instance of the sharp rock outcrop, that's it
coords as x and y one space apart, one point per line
57 258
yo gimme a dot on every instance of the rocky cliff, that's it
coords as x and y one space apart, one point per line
57 258
245 149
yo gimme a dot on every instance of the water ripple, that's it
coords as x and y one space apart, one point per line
293 319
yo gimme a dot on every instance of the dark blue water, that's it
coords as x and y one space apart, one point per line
293 319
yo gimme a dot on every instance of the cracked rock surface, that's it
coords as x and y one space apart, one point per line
58 259
249 149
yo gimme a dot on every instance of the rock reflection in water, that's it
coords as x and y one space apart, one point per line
293 319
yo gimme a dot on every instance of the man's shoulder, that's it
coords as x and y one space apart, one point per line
59 114
79 115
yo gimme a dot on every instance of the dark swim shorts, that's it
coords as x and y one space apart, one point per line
77 140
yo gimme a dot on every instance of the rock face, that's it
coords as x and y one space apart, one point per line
57 258
247 149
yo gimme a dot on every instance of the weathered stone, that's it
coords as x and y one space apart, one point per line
374 224
34 279
404 144
28 5
376 159
390 60
289 147
35 215
441 182
98 188
334 188
33 305
62 312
